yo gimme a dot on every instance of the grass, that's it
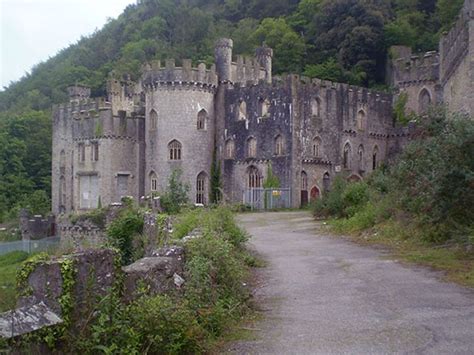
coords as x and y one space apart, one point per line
406 244
9 264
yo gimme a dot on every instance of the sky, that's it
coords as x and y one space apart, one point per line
31 31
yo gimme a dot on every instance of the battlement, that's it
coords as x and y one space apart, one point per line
85 108
416 68
155 74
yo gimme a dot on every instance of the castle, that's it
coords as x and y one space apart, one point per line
236 113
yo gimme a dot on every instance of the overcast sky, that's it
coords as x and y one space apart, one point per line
31 31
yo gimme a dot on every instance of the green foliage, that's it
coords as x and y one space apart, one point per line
9 265
399 109
122 231
26 269
96 216
271 180
176 194
332 203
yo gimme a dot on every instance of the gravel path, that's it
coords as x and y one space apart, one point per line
325 295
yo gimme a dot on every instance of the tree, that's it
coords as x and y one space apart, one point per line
176 194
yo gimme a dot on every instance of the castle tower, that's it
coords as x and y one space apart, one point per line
223 58
180 126
264 57
78 92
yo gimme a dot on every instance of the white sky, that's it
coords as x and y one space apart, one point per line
31 31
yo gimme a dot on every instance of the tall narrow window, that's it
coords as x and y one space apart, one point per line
122 185
153 182
201 188
326 182
346 161
264 108
95 151
251 147
89 191
360 154
62 193
317 147
361 120
316 107
375 158
230 149
424 101
242 111
153 120
254 178
82 152
304 181
201 120
279 145
62 162
174 148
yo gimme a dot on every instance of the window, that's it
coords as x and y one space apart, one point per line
174 148
360 154
82 152
255 179
326 182
242 111
122 185
346 161
62 162
153 120
316 107
279 145
89 191
201 187
304 181
153 182
360 120
230 149
424 100
201 120
251 147
264 108
317 147
95 151
375 157
62 193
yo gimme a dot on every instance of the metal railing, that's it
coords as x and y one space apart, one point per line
267 199
30 246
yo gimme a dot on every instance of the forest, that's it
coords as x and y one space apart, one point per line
339 40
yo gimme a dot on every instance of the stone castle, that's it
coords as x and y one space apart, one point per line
184 117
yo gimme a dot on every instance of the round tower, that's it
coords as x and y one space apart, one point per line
264 57
223 58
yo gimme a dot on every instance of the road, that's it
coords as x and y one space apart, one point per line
321 294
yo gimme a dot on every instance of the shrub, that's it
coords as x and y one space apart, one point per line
355 196
176 194
332 203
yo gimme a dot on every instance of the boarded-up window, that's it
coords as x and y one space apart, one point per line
122 185
153 120
279 145
95 151
242 111
89 191
360 120
201 120
229 149
317 147
251 147
81 152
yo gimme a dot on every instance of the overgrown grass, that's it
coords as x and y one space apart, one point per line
9 265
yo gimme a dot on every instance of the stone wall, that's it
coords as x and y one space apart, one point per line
36 227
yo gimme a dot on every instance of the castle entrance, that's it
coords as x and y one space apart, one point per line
315 193
304 189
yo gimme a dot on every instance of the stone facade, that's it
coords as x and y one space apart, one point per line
308 131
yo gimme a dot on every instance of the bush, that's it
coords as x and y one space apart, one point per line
176 194
332 202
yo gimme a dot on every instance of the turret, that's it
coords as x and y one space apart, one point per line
223 58
78 93
264 56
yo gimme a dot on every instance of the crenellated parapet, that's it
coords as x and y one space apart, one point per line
156 76
416 69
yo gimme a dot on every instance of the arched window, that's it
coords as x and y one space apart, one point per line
316 107
360 155
174 148
254 178
264 107
375 158
304 181
153 120
326 182
242 111
230 149
153 182
202 120
346 161
360 120
251 147
424 100
279 145
201 188
316 147
62 162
